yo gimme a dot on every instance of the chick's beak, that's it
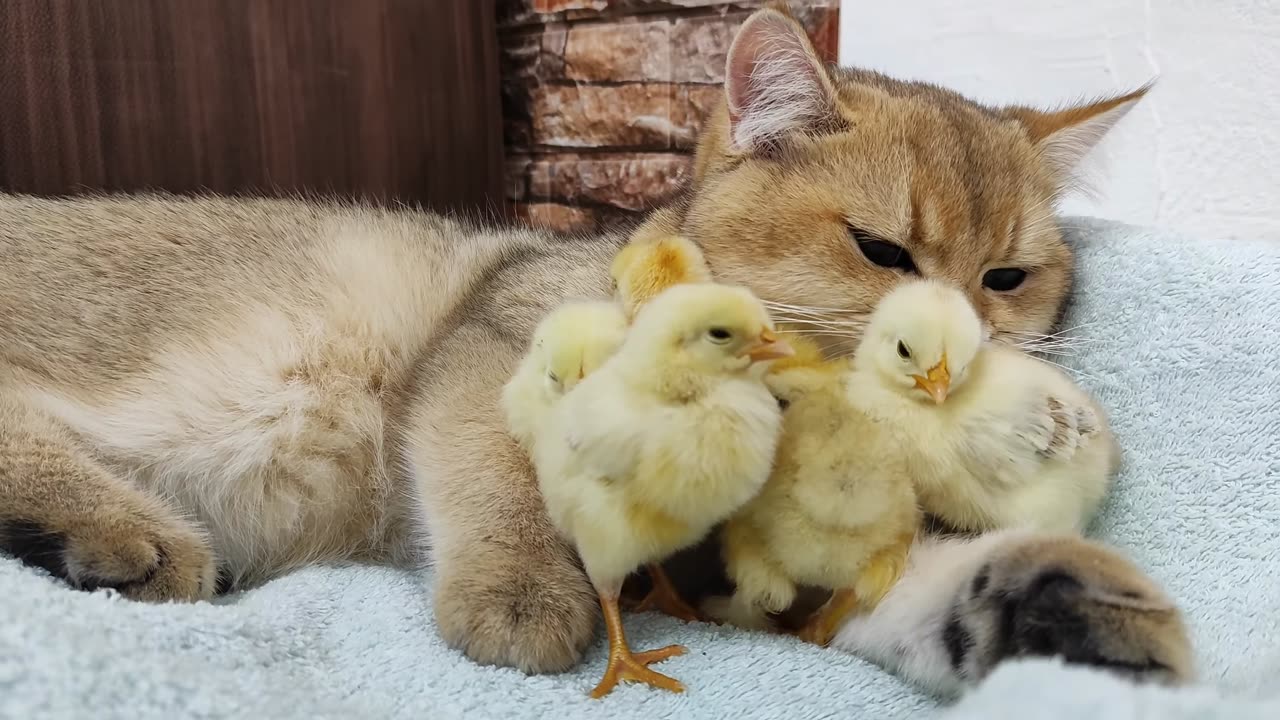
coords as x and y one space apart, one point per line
769 347
937 381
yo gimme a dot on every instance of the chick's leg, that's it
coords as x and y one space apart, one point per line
626 665
665 598
822 627
883 571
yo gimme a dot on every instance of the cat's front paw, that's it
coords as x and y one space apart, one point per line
1065 597
152 561
533 611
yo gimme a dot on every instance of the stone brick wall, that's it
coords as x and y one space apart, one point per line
603 99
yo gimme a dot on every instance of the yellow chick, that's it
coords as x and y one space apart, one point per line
838 512
570 342
646 266
652 262
666 439
995 437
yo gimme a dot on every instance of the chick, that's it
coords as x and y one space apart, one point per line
570 342
838 512
648 265
996 438
661 443
652 262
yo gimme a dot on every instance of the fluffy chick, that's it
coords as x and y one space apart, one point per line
996 438
570 342
666 439
648 265
838 512
652 262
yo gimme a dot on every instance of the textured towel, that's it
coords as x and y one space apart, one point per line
1185 357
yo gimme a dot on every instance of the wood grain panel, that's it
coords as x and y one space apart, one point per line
395 100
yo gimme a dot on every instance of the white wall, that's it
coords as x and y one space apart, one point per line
1200 154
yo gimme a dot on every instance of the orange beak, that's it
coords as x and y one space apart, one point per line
769 347
937 382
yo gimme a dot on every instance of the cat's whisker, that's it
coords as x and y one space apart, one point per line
798 328
1042 351
1063 350
1061 332
820 323
1047 343
1069 370
793 317
819 318
777 303
1069 339
1051 340
1072 341
1057 338
844 353
820 333
1039 222
807 309
816 320
1047 346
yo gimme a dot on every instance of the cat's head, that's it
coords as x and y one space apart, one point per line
822 186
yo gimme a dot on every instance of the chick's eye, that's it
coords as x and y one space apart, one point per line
903 351
881 252
1003 279
719 335
552 377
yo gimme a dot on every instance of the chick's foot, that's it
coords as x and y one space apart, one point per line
629 666
824 624
664 598
634 667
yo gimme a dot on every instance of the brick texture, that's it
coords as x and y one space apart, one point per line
603 99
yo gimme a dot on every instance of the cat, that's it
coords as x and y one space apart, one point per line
203 393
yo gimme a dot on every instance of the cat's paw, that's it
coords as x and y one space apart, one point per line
1062 596
534 610
142 559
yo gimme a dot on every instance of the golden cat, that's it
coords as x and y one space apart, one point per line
195 390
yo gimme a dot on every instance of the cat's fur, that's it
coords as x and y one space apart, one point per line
201 386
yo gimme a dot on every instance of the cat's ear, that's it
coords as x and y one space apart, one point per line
1065 136
774 83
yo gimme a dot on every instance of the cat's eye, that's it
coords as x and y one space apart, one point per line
719 335
882 252
1004 279
903 351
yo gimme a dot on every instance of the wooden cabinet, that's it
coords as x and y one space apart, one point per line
395 100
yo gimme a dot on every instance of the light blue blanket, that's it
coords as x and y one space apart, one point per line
1186 356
